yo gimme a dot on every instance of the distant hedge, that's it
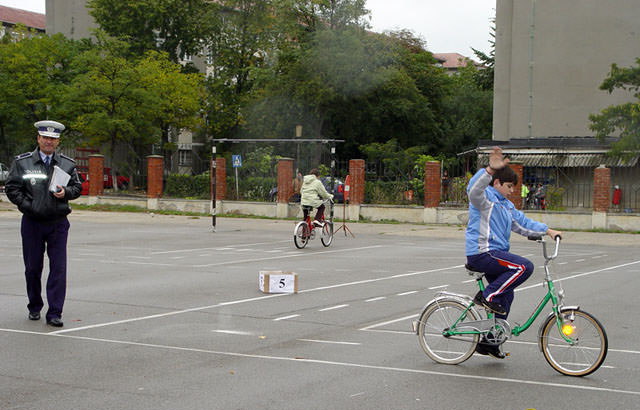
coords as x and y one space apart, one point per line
199 187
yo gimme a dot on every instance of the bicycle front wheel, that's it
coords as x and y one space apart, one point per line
326 237
585 354
301 235
438 316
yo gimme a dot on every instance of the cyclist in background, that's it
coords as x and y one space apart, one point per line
492 217
312 194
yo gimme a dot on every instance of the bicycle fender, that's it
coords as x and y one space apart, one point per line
551 314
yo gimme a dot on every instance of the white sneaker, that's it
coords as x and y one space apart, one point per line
318 223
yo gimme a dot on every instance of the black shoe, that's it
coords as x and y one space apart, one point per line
34 315
492 306
490 350
55 322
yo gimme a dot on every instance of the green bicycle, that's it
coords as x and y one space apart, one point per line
572 341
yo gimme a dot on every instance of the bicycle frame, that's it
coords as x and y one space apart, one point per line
551 295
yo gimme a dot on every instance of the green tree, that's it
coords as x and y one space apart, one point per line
354 85
178 97
243 35
468 112
33 74
623 118
173 26
120 101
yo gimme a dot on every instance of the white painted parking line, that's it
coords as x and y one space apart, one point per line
330 342
297 254
438 287
580 260
234 302
229 247
388 322
333 308
233 332
411 292
479 378
285 317
376 299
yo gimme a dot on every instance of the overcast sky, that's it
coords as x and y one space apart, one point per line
448 26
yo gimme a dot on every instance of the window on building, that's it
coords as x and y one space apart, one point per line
184 158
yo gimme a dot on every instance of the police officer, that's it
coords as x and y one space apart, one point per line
44 220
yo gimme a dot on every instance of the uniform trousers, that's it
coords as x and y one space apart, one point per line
36 238
504 271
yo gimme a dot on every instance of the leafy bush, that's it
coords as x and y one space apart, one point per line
553 199
393 192
251 188
189 186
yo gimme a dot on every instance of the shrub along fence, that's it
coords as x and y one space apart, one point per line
436 189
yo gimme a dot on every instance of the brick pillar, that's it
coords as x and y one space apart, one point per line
356 190
432 184
601 189
154 176
285 179
221 179
96 174
516 196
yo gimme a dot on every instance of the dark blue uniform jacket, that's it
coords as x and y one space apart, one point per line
28 186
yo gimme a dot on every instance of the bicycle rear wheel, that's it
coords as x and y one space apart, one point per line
326 236
301 234
588 351
438 316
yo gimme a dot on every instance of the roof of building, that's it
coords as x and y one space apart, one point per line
556 152
28 18
453 60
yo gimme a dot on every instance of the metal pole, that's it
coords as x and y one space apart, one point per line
333 167
213 187
237 189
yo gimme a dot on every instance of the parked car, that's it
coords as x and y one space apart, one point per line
85 183
338 188
123 182
4 173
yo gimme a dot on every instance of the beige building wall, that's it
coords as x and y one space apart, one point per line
571 48
69 17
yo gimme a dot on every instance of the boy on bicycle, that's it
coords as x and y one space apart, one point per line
492 217
312 194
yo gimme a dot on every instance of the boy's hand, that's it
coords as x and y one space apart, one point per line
496 160
553 233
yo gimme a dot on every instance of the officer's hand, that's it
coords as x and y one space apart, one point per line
60 193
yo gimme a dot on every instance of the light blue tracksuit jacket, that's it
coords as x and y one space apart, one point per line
492 217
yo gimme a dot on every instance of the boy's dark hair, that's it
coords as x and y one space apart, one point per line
505 174
314 171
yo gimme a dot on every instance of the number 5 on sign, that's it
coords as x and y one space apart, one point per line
278 282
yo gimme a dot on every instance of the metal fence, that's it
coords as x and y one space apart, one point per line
558 188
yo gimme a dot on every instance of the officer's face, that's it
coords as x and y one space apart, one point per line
47 144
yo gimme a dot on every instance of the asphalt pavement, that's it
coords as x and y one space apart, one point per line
164 313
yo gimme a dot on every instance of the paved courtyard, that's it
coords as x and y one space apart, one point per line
163 313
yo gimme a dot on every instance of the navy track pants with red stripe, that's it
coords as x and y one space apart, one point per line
504 271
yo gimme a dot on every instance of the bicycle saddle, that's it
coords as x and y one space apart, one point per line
473 272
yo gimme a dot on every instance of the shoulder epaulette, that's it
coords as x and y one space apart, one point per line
66 157
23 156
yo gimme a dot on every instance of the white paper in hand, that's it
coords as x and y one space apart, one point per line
59 177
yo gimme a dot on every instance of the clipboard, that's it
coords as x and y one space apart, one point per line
59 177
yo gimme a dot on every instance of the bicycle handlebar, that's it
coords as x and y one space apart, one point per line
556 239
555 253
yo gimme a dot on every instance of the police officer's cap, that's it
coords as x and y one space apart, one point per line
51 129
